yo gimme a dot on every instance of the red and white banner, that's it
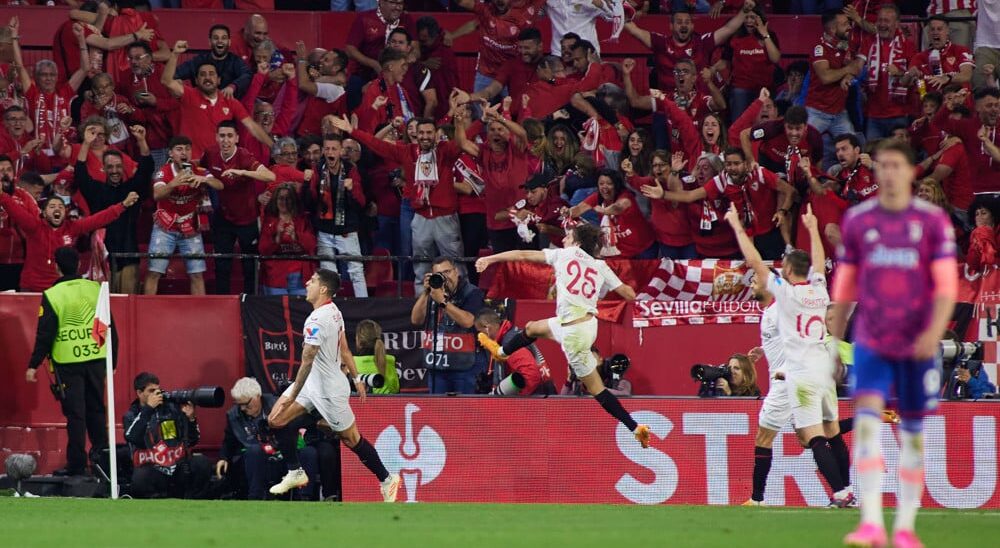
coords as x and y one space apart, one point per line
666 313
706 280
568 450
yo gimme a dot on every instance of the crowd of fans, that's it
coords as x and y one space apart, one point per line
279 149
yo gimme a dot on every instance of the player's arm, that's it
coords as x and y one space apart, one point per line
347 358
309 352
261 174
257 131
747 248
817 255
510 256
625 291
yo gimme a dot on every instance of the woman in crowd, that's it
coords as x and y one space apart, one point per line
628 234
371 358
285 231
983 242
560 151
753 55
669 219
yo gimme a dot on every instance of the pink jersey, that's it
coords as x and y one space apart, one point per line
893 253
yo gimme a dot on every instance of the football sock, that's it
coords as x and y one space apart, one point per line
826 463
614 408
846 425
868 459
369 457
761 468
911 474
517 342
843 456
287 439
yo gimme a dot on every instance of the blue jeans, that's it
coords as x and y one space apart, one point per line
675 252
661 131
581 195
830 126
482 81
388 236
168 241
880 128
294 286
406 238
343 244
739 100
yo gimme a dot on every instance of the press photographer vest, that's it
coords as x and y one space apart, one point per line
455 345
366 366
75 302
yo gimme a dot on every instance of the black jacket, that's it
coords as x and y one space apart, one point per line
145 428
311 202
121 234
242 429
231 69
48 328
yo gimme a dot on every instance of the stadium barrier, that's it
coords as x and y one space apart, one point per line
568 450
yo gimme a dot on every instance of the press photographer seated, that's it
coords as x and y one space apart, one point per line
372 360
612 372
160 433
737 378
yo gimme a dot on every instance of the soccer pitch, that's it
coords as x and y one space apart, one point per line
106 523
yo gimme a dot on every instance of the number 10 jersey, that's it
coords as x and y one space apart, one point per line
802 325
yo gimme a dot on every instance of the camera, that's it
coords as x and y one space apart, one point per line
372 380
436 280
710 373
203 396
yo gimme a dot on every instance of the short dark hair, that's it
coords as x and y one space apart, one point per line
570 36
984 91
206 63
330 280
32 178
938 17
429 24
14 108
332 137
489 316
893 8
404 32
585 45
687 9
424 121
5 158
177 140
530 33
219 26
850 137
231 124
390 55
67 260
933 96
796 115
616 179
45 201
901 148
953 87
308 141
144 379
735 151
798 262
111 152
145 47
800 66
829 17
441 259
590 238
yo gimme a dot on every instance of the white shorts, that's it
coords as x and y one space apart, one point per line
775 411
576 341
336 410
813 401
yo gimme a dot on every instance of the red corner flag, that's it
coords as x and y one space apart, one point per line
102 317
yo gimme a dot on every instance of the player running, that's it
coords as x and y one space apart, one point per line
897 261
324 347
580 276
801 299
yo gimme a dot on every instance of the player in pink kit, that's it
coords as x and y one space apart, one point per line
898 262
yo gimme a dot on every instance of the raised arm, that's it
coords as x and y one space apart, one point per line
634 99
725 32
640 34
747 248
817 254
510 256
175 87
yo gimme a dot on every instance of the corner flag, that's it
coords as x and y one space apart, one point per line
102 317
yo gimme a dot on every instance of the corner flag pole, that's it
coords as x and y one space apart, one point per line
102 325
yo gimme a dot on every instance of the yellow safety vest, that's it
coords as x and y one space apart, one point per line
75 304
366 365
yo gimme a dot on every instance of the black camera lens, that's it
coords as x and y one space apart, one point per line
436 280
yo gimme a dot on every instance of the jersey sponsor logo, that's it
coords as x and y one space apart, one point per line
818 51
755 51
758 134
419 460
903 257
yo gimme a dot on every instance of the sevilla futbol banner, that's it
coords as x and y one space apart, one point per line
666 313
272 336
568 450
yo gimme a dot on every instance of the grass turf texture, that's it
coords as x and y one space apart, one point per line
95 522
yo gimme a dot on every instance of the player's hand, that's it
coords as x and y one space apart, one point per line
926 346
852 13
155 399
188 409
723 385
348 184
716 10
733 217
755 354
180 47
288 70
764 95
809 220
983 134
31 375
438 295
866 160
989 69
482 264
232 172
144 34
341 123
131 199
362 390
279 406
433 63
221 468
963 374
805 164
90 135
228 92
677 161
379 102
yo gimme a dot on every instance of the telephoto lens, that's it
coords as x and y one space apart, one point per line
204 396
510 386
372 380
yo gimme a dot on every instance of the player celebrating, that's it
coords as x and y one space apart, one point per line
801 299
580 276
325 347
898 261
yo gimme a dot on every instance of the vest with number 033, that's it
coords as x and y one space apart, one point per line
75 303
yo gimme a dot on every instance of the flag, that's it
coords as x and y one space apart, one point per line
705 280
102 318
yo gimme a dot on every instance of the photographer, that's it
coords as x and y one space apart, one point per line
739 378
612 371
446 309
160 435
970 381
248 445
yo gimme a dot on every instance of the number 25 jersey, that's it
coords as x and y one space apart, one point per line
579 279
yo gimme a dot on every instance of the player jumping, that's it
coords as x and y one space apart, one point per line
324 347
801 299
898 262
580 275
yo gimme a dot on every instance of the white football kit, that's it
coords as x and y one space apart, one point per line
808 364
326 389
775 411
579 280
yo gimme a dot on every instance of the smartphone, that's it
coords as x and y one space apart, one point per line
187 167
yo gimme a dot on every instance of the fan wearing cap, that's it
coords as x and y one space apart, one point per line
540 209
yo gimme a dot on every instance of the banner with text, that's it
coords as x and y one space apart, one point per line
667 313
460 450
272 336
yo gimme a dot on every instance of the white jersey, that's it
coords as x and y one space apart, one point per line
801 311
578 16
324 328
579 279
770 340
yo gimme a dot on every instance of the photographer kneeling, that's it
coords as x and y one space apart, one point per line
160 434
446 309
737 378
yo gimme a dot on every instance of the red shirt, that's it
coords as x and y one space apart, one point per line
369 33
504 173
159 120
296 238
200 117
881 103
11 237
544 98
66 49
751 67
952 58
46 109
828 209
516 75
670 219
444 79
858 184
175 213
630 231
369 119
696 104
126 22
775 151
958 185
829 98
470 203
987 171
95 164
498 35
238 197
284 173
314 109
760 188
667 52
36 160
548 210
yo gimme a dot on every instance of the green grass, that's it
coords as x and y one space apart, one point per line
101 523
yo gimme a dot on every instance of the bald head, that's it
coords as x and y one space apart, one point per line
256 30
